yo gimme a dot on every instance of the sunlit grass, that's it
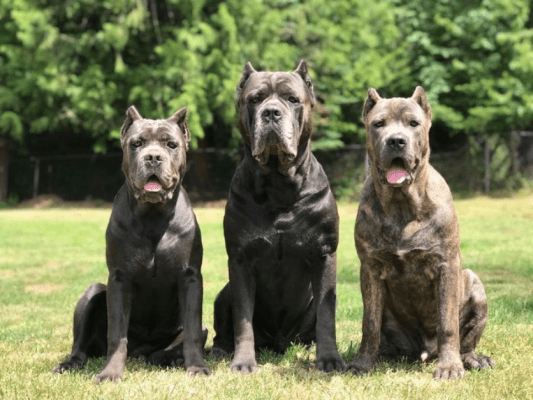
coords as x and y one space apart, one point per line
48 257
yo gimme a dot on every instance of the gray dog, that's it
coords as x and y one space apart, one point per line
152 304
281 229
418 303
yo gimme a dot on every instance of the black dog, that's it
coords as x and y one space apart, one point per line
152 304
281 229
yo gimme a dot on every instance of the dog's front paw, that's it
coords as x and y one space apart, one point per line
71 363
244 366
330 363
359 366
476 361
451 371
195 370
105 375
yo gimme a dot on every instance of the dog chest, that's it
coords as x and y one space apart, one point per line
288 236
418 267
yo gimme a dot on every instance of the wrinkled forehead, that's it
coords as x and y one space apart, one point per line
278 82
396 108
149 128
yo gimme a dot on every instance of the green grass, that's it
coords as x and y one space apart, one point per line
48 258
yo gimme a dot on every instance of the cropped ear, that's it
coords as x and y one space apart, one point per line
246 72
301 70
419 96
372 98
180 118
132 115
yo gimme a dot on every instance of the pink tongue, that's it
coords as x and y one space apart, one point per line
395 176
152 187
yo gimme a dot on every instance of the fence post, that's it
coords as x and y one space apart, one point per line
486 186
515 141
36 173
4 165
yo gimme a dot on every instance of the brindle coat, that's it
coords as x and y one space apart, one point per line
418 303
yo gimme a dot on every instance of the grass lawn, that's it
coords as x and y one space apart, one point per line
48 257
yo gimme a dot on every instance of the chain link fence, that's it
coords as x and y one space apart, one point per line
209 171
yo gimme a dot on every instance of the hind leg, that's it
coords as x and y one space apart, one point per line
399 342
223 342
172 355
90 328
472 321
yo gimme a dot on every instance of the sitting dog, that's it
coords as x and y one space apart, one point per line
418 303
281 229
152 304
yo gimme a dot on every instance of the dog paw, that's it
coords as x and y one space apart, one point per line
166 358
449 371
71 363
476 361
218 352
195 370
330 363
108 376
359 366
244 367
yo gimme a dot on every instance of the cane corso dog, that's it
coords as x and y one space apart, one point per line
418 303
152 305
280 227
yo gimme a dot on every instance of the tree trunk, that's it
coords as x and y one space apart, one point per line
486 186
4 167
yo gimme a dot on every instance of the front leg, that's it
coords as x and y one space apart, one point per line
373 292
242 284
193 342
449 365
324 293
118 316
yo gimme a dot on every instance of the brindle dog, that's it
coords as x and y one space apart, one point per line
418 303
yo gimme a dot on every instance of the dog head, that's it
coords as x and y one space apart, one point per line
275 113
397 136
154 157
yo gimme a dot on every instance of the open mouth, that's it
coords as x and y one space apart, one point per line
399 171
153 184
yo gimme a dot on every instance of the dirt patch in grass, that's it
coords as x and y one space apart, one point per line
54 201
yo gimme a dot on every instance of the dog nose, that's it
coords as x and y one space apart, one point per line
153 159
271 114
396 142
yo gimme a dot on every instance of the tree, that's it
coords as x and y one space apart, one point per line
475 61
77 66
62 66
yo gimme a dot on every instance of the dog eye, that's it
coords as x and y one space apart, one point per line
136 144
414 123
293 99
378 124
172 145
255 99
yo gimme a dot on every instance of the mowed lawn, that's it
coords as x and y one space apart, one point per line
48 257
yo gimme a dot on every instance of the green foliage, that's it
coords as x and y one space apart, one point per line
475 60
77 66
